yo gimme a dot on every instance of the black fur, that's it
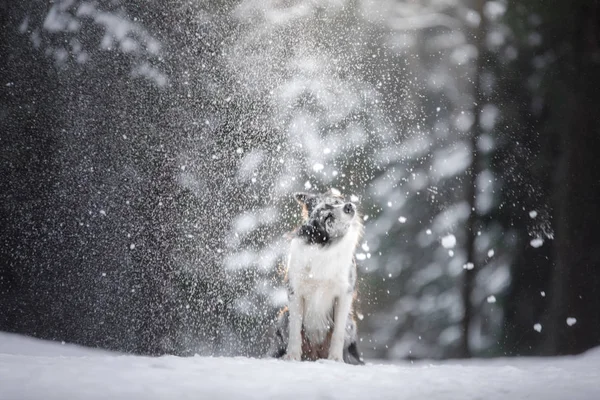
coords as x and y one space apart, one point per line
314 233
307 200
351 355
280 350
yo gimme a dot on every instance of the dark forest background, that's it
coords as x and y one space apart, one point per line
149 150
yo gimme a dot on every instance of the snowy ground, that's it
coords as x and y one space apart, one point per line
33 369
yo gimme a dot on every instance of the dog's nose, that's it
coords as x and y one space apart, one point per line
348 208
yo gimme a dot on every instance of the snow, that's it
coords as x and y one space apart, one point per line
494 9
537 327
571 321
533 214
449 241
318 167
33 369
537 242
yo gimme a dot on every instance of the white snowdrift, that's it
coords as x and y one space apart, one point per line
33 369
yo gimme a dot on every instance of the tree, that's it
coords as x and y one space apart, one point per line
97 251
572 104
555 53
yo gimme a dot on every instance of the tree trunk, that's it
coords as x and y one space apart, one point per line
471 190
575 295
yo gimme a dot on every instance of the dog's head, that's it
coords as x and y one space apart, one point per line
327 217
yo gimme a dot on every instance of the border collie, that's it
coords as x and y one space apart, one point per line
321 278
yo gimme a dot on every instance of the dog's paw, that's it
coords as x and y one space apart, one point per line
292 357
336 357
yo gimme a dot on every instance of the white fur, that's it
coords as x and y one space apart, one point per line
319 278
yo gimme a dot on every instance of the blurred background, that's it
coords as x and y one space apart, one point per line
149 150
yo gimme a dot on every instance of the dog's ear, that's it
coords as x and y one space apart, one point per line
307 201
304 198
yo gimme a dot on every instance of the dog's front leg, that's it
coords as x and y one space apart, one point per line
296 310
341 311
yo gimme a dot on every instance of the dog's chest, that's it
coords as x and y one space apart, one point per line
316 268
319 275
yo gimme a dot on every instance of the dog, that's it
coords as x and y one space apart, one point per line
321 279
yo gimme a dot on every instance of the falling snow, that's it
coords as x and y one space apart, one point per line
537 242
533 214
449 241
